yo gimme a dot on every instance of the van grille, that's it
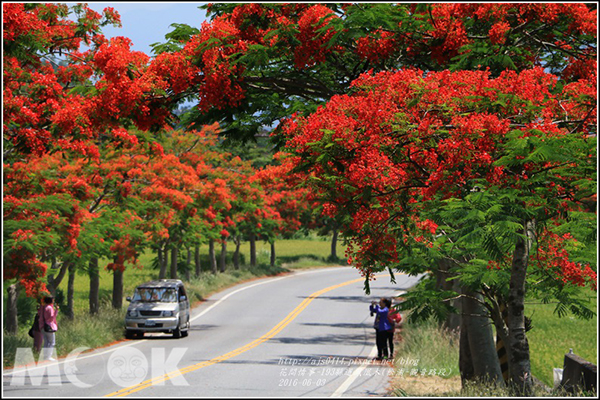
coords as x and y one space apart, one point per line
150 313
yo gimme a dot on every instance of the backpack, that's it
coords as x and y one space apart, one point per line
394 317
35 327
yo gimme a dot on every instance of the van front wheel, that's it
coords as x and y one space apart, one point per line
132 334
177 333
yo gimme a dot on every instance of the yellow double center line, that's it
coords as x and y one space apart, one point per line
286 321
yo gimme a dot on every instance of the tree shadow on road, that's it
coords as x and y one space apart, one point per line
341 325
393 288
357 299
346 340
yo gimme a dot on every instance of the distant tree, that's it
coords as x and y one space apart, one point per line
285 193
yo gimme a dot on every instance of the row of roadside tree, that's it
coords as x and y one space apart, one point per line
458 139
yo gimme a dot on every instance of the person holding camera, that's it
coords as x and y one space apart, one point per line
383 328
48 326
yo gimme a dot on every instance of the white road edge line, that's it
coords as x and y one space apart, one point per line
25 369
232 293
355 374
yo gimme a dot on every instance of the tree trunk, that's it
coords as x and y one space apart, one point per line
236 254
197 261
499 315
465 361
253 250
11 324
162 263
94 275
520 368
70 312
442 275
211 256
500 320
174 254
334 245
453 321
188 262
117 299
273 253
54 282
223 258
480 339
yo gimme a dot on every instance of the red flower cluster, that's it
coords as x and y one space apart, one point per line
376 47
42 23
449 28
498 31
313 44
219 87
553 256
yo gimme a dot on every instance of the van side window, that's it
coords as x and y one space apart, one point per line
181 292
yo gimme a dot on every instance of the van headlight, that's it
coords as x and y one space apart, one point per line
168 313
132 313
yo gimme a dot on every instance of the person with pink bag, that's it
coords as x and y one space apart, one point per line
48 326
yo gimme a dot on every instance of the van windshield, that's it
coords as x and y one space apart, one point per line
155 294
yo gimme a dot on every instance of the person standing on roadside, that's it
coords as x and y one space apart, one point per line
48 327
384 329
38 336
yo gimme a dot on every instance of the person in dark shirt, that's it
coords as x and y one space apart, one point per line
38 336
383 328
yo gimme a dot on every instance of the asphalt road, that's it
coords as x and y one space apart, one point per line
300 335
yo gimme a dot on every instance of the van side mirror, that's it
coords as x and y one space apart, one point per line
182 298
128 298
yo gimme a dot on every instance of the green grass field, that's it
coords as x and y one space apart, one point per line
552 337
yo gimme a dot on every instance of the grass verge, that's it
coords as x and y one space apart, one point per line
426 361
425 349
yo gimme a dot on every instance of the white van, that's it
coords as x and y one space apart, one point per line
158 306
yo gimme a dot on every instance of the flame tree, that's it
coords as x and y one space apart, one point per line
480 170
